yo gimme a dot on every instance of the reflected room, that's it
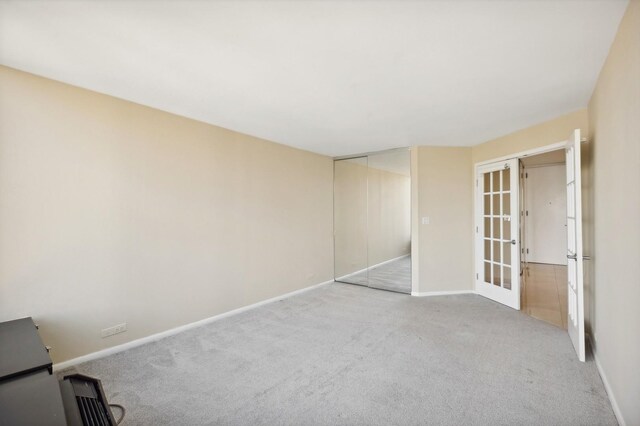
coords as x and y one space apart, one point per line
372 220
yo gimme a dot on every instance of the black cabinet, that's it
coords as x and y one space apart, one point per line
29 392
21 349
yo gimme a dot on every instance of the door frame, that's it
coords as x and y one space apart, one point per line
477 249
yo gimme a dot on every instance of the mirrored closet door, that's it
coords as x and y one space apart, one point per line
372 220
350 220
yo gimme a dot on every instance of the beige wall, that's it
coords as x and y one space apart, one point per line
445 196
372 215
113 212
614 117
549 132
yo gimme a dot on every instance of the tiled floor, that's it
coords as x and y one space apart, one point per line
544 293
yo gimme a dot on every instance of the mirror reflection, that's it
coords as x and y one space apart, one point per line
350 220
372 215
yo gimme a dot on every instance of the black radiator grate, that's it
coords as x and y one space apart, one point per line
84 402
92 411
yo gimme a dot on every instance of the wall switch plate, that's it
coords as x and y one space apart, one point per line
120 328
425 220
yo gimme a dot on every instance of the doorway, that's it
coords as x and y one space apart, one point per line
544 237
372 220
502 240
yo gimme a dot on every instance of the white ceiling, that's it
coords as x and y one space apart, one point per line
334 77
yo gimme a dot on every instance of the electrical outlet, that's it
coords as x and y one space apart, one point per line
120 328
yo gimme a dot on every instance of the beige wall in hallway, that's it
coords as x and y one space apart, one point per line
614 117
445 196
114 212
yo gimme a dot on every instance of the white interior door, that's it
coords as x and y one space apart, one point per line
575 270
546 214
498 246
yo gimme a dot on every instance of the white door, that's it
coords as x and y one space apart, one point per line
575 323
498 266
546 214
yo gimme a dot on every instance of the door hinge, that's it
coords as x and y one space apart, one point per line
527 251
476 182
527 212
526 175
476 229
477 277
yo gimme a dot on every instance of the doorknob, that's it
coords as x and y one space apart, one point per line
586 257
513 242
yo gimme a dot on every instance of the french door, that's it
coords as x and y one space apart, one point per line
497 228
575 268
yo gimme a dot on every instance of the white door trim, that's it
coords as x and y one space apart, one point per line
534 151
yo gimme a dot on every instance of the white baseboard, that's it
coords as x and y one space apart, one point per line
154 337
441 293
371 267
607 386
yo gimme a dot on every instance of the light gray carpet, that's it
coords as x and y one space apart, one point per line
344 354
392 276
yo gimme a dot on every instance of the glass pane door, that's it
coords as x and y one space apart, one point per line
498 232
575 288
497 235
